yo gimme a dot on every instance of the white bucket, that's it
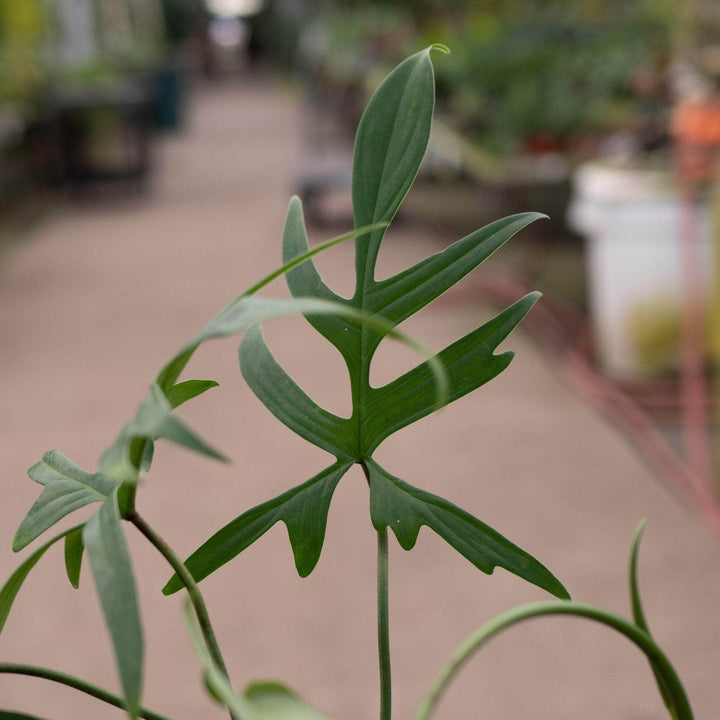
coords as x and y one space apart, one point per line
633 220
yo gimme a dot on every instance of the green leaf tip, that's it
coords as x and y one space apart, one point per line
637 610
440 47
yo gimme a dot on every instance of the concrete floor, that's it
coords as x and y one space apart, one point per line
95 299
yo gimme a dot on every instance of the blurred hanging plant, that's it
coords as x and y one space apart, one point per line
390 145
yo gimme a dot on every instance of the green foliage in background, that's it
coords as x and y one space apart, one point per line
21 34
552 69
524 72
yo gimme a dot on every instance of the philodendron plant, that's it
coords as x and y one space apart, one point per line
390 144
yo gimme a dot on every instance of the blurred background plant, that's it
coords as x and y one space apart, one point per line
551 75
526 74
21 64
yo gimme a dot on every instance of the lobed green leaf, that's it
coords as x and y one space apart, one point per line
391 141
67 488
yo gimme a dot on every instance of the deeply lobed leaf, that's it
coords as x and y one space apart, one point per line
392 138
67 488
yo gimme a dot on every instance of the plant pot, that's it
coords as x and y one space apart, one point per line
634 220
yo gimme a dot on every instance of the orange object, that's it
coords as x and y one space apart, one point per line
696 128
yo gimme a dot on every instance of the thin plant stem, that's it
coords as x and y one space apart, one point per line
384 627
681 707
304 257
77 684
196 598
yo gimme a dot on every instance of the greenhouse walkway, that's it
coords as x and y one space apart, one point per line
96 298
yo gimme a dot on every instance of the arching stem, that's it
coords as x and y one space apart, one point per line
657 658
77 684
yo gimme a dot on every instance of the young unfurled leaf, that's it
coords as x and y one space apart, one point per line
9 591
131 454
304 511
67 488
111 569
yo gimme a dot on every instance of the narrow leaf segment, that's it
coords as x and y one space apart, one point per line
9 591
110 563
404 509
304 511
